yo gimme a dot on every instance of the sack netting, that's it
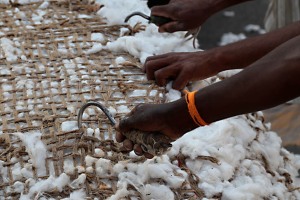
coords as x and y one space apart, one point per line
49 67
46 75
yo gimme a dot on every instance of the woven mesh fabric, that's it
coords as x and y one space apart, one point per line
50 64
50 78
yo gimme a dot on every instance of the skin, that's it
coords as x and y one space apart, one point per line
191 66
276 77
273 59
189 14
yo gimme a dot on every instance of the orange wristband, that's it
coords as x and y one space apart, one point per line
190 100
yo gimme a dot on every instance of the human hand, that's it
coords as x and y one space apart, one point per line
171 119
181 67
186 14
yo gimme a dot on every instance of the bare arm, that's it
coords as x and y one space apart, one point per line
243 53
185 67
272 80
268 82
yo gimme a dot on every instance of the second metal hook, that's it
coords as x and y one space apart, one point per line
157 20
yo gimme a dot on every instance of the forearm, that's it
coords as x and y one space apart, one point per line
270 81
243 53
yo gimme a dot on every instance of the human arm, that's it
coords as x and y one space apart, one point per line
185 67
189 14
270 81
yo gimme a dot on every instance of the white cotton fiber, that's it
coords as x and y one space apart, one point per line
228 38
99 152
123 9
16 171
119 60
158 192
80 169
44 5
254 28
79 181
11 53
5 72
95 48
97 134
226 156
89 160
27 173
99 37
24 2
103 167
69 126
36 149
137 93
229 73
49 184
123 109
150 42
18 187
77 195
90 131
172 94
122 192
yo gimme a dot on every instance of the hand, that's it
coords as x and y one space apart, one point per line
181 67
187 14
171 119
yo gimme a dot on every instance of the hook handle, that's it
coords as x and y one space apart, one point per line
159 20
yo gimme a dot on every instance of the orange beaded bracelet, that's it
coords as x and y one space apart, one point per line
190 100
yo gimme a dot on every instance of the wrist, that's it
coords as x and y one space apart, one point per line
219 59
177 114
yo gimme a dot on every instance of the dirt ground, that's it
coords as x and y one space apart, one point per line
285 120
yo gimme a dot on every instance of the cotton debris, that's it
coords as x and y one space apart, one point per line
246 164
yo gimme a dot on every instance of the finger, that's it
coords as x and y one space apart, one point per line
148 155
155 57
129 122
138 150
126 123
153 65
163 75
120 137
152 58
180 81
128 145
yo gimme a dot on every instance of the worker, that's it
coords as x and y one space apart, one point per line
270 77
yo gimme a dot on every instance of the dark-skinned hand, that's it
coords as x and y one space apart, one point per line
181 67
163 118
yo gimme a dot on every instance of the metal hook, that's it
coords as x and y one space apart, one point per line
151 142
99 105
157 20
139 14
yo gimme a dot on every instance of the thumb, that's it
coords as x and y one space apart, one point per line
125 124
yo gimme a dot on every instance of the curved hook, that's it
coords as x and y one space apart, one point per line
99 105
139 14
